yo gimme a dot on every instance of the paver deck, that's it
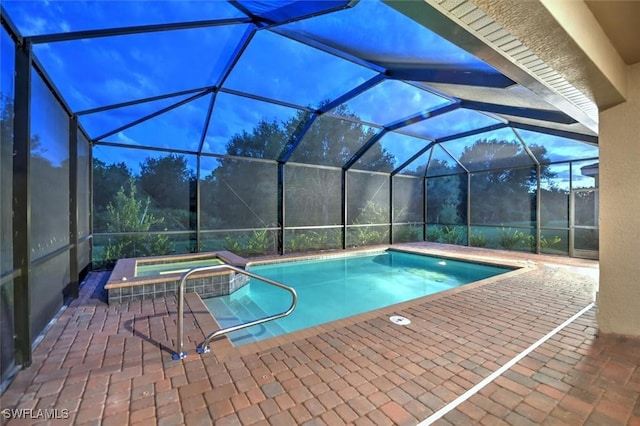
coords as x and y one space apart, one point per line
106 365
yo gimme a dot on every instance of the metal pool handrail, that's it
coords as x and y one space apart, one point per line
204 346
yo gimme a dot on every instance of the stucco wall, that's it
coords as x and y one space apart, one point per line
619 297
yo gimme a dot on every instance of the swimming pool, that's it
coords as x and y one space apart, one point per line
331 289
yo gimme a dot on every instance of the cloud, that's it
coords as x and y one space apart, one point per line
35 25
121 137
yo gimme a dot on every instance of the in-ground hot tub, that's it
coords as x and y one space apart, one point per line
158 276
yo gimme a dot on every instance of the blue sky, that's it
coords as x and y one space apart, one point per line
108 70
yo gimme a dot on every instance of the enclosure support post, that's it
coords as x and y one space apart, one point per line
22 204
390 209
74 274
538 208
194 205
343 179
424 208
468 209
91 212
281 208
571 214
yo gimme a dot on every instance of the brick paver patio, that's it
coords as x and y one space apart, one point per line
112 365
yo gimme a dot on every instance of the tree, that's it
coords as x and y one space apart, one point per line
128 214
503 188
239 193
167 181
171 185
554 207
266 140
107 180
446 195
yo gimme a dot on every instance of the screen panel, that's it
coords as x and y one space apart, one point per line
48 282
313 196
237 194
285 70
504 237
243 243
408 200
378 33
407 233
504 198
497 149
304 240
447 209
367 198
7 330
549 148
48 171
179 128
248 127
99 123
554 241
585 174
84 186
37 18
390 152
442 163
362 236
454 122
401 101
331 141
108 248
147 190
7 95
447 200
104 71
554 197
84 255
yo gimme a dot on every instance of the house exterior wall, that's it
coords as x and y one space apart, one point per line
619 295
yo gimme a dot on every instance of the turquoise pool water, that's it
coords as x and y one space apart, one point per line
331 289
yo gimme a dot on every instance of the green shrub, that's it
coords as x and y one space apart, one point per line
128 214
508 239
478 240
452 235
257 243
410 233
544 243
232 244
434 233
365 236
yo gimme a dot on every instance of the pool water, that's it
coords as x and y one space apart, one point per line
332 289
152 269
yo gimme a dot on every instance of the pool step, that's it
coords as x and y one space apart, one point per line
242 310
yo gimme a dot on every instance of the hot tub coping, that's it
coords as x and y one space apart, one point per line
123 274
